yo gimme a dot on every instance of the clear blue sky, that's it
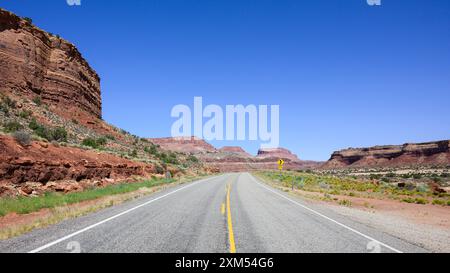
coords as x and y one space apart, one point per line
345 74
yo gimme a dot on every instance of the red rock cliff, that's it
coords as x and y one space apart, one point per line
421 154
35 63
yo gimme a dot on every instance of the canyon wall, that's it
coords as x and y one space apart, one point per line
421 154
35 63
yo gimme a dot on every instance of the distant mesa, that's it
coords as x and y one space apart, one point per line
191 145
435 153
277 153
236 150
233 158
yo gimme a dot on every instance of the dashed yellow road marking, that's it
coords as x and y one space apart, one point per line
230 223
222 209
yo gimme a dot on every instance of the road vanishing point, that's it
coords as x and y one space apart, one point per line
230 213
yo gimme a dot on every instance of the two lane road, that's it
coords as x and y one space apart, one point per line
224 214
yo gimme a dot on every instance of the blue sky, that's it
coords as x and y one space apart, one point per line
345 74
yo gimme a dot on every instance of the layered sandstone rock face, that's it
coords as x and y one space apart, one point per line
277 153
35 63
35 168
421 154
234 150
191 145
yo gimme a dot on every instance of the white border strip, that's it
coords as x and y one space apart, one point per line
37 250
326 217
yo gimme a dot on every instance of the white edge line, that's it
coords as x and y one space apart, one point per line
37 250
326 217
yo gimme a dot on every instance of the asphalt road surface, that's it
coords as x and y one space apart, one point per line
224 214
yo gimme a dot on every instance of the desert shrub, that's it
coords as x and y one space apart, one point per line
172 159
408 200
153 149
417 176
28 19
110 137
74 121
6 104
438 202
375 176
193 159
159 169
90 142
134 153
25 114
37 101
58 134
421 201
345 202
422 188
9 102
12 126
41 131
23 138
436 179
102 141
391 174
4 108
385 180
94 143
33 125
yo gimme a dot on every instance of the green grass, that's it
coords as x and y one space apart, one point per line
25 205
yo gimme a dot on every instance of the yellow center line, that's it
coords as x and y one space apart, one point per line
230 223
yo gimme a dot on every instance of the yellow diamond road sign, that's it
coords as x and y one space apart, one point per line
280 164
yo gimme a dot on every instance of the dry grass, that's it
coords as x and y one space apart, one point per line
15 224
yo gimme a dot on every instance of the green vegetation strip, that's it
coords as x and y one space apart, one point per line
353 187
25 205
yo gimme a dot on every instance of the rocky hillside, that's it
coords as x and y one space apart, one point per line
431 154
34 63
235 150
52 136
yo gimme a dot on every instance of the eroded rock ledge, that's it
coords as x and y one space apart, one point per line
36 63
423 154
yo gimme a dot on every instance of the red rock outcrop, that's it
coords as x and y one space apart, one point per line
36 63
191 145
235 150
408 155
277 153
234 159
41 163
